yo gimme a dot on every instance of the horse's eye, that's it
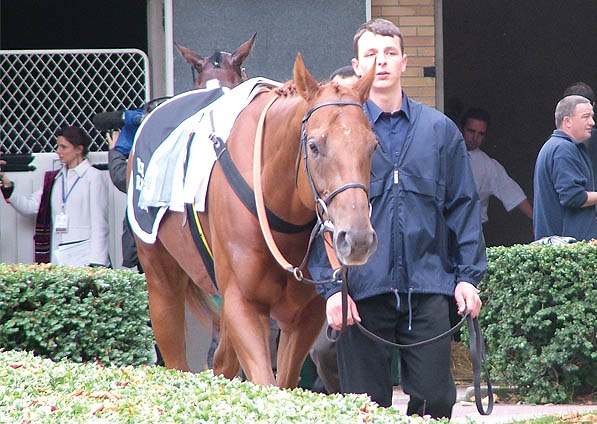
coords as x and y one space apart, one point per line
313 147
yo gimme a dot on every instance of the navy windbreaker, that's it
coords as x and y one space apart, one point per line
426 212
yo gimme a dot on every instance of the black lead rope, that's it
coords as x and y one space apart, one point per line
477 347
476 344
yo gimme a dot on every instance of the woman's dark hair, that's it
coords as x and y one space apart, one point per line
75 136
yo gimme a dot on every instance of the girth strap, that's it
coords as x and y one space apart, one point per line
201 242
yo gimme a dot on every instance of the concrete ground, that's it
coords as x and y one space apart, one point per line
465 411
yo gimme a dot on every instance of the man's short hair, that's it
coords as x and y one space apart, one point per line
379 27
580 89
475 113
566 106
343 72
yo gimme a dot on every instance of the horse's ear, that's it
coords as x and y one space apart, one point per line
189 55
240 55
363 85
306 85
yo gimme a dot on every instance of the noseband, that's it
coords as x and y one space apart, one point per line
322 204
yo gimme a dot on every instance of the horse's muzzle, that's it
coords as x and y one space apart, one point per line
355 246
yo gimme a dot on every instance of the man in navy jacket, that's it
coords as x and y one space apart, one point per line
565 195
426 212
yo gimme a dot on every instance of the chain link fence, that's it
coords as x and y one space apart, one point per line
42 90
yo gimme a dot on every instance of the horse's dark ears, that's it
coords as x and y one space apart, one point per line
306 85
363 85
191 57
240 55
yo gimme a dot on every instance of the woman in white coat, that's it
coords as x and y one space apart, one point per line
71 207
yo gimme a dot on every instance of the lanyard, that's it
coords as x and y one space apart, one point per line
65 194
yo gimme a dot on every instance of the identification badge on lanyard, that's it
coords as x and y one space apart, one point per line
61 223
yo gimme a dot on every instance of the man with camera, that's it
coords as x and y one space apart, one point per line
121 128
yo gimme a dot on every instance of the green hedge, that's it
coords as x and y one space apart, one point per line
83 314
40 391
539 319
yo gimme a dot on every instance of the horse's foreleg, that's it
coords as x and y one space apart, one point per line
296 339
225 360
166 283
248 330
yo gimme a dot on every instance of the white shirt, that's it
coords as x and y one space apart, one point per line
86 206
491 179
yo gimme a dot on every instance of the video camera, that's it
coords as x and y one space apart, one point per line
111 121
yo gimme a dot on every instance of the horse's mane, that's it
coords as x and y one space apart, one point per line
289 88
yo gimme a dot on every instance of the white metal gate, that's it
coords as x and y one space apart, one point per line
41 90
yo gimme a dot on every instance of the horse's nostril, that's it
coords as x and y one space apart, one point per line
342 244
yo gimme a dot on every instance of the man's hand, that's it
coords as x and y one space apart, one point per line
333 310
4 181
112 136
467 298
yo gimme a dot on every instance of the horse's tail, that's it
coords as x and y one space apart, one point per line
203 305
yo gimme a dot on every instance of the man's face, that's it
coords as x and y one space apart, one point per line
474 131
391 63
581 121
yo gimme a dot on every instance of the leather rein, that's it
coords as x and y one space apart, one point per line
325 227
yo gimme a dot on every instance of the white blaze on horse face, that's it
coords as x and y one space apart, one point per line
347 130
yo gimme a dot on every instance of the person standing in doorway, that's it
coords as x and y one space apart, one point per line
491 178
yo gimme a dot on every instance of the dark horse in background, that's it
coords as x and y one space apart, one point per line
338 144
221 66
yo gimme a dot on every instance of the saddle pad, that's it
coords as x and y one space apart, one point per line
158 180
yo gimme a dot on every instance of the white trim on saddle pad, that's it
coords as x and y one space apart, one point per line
163 185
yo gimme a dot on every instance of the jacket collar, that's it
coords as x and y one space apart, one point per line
562 134
375 111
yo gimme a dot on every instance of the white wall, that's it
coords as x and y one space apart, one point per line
16 231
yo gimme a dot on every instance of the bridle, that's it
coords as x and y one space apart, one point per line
322 204
323 224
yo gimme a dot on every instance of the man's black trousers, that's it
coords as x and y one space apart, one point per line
365 365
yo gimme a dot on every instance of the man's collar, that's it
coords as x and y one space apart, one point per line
375 111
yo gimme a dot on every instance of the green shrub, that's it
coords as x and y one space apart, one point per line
39 391
539 319
84 314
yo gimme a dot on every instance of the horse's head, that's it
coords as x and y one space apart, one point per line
336 148
221 66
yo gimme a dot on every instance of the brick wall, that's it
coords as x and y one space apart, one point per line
415 18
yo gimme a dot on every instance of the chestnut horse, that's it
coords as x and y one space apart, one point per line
334 164
220 66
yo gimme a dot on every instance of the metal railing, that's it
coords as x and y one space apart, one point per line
42 90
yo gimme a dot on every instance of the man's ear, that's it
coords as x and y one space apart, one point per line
355 67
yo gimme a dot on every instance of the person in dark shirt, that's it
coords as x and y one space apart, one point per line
426 213
564 186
